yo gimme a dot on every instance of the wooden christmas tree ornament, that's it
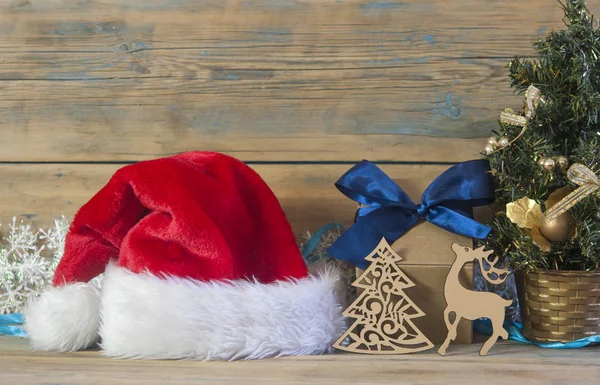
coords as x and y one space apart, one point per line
470 304
382 311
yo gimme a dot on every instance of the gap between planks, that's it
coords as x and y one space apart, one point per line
42 192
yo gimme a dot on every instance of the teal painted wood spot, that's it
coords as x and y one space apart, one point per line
448 106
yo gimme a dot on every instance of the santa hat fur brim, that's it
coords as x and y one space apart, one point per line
148 317
64 318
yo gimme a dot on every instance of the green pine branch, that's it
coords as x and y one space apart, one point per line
566 69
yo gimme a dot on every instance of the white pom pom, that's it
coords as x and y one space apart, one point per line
64 318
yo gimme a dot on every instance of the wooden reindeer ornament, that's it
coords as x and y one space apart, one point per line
471 305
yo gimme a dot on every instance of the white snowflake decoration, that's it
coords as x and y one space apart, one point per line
55 240
28 260
24 266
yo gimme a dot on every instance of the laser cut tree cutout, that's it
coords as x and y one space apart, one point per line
383 312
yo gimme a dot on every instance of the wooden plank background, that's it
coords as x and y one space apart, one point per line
300 89
306 192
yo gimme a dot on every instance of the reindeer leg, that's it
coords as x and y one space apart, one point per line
488 345
444 347
503 333
451 330
498 331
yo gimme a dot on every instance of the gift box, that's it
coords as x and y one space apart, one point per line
421 219
426 260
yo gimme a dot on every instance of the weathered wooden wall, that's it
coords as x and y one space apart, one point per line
306 192
88 85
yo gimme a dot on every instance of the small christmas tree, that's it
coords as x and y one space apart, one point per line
533 154
383 312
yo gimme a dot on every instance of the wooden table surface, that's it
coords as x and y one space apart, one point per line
507 363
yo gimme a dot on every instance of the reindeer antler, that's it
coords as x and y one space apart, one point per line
500 274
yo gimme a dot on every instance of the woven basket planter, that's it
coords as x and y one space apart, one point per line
559 306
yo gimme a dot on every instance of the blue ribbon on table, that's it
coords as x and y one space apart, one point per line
387 211
8 322
311 245
514 330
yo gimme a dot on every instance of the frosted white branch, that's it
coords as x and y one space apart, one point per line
28 260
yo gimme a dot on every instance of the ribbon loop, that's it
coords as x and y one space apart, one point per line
582 175
533 97
387 211
532 100
588 183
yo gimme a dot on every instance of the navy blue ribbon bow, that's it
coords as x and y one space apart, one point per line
388 212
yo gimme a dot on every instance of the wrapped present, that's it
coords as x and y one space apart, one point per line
427 258
421 233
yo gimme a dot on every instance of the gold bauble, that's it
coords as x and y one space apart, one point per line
503 142
488 149
558 230
548 164
541 161
493 141
562 162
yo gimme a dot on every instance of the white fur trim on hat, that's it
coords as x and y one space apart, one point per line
64 318
144 316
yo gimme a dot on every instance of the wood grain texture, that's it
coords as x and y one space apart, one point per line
264 80
38 193
507 363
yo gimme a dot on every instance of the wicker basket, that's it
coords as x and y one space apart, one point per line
559 305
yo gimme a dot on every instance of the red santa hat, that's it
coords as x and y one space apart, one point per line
199 261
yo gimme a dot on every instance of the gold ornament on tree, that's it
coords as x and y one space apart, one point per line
562 162
588 183
382 311
540 162
509 116
532 100
527 213
560 229
547 164
503 142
